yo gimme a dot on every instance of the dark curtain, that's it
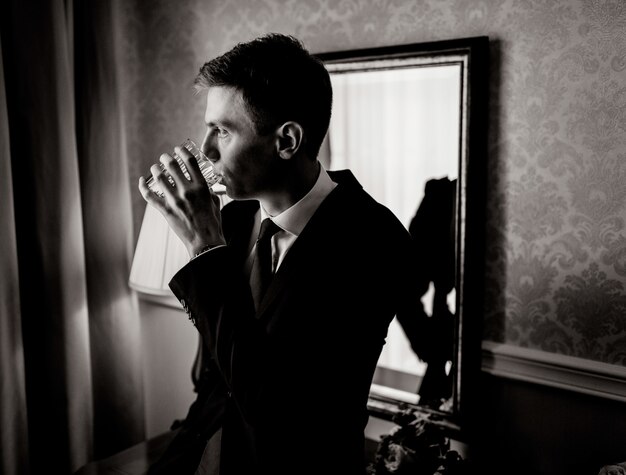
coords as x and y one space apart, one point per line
71 386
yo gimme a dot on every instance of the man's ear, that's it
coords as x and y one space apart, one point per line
289 139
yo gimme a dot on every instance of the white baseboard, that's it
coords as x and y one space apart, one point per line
551 369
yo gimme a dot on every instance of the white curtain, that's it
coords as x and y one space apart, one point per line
70 386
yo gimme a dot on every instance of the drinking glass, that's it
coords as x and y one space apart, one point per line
206 168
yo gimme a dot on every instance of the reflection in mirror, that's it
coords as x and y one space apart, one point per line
397 130
401 123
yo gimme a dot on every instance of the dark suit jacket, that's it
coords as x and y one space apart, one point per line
289 384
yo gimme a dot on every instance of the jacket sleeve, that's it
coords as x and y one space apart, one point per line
208 286
217 298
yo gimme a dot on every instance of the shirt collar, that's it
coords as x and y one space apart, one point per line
295 218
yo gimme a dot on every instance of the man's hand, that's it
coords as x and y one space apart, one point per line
190 207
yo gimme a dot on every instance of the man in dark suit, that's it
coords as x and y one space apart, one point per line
432 337
287 374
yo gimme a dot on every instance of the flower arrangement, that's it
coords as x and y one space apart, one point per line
417 446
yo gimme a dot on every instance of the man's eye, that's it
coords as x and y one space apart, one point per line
222 133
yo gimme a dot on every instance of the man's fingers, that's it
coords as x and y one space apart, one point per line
152 197
190 162
176 175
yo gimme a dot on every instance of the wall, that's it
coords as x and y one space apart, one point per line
556 191
169 348
528 429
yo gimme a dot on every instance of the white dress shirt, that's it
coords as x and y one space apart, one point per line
291 221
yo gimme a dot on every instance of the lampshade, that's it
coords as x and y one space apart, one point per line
158 256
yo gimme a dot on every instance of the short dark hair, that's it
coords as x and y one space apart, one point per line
280 81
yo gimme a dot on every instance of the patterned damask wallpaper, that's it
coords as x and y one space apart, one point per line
556 232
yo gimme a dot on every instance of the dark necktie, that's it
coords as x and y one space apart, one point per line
261 272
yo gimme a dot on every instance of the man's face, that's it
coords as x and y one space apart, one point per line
247 161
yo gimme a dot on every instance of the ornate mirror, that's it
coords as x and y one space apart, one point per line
410 122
